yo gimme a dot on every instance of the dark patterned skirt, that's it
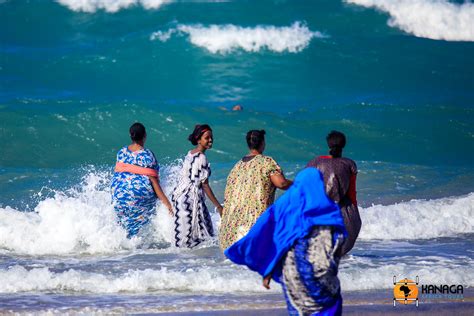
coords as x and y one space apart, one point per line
310 281
353 224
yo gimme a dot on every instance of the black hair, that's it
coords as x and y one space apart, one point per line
137 132
199 130
336 142
255 138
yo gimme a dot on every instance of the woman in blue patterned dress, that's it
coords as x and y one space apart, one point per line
135 184
192 219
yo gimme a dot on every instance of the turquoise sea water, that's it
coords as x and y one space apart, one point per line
75 75
73 81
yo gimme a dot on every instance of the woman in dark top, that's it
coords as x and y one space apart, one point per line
340 183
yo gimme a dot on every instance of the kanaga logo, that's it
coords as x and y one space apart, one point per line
442 291
405 291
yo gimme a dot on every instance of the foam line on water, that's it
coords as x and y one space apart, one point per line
227 38
110 6
434 19
355 273
419 219
82 220
18 279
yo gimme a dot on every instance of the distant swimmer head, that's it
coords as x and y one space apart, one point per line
202 134
336 142
256 140
137 132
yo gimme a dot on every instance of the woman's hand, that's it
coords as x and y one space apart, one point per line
266 281
160 194
207 188
170 208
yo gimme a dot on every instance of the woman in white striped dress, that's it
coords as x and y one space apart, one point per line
193 222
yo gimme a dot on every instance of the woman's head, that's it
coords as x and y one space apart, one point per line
336 142
256 140
202 135
137 132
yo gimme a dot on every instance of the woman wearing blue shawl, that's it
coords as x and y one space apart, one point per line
296 242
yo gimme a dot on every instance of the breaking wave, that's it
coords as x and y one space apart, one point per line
82 220
434 19
419 219
111 6
227 38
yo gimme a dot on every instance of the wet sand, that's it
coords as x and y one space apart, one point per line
461 309
364 303
355 303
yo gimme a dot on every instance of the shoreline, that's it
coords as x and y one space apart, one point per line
355 303
360 303
461 309
443 308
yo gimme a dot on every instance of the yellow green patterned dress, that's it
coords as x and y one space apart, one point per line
248 192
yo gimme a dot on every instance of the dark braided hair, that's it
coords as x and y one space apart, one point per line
255 138
199 130
137 132
336 142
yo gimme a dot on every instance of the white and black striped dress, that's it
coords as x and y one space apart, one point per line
192 219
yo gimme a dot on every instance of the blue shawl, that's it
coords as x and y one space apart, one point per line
304 205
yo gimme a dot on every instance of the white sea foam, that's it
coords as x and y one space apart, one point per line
77 221
361 274
434 19
419 219
64 223
355 274
215 280
162 36
83 220
226 38
110 5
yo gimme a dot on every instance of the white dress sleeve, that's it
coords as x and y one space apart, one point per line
203 170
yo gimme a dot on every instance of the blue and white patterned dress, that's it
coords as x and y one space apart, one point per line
133 196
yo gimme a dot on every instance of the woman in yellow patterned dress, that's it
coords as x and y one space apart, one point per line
250 189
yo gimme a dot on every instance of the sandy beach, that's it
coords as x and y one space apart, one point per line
358 303
355 303
432 309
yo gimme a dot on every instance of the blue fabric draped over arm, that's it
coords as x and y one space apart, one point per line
304 205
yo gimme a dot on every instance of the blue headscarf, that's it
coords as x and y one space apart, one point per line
304 205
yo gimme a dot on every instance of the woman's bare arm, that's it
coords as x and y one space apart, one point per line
160 194
279 180
212 197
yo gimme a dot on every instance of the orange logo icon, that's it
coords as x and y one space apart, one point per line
405 291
